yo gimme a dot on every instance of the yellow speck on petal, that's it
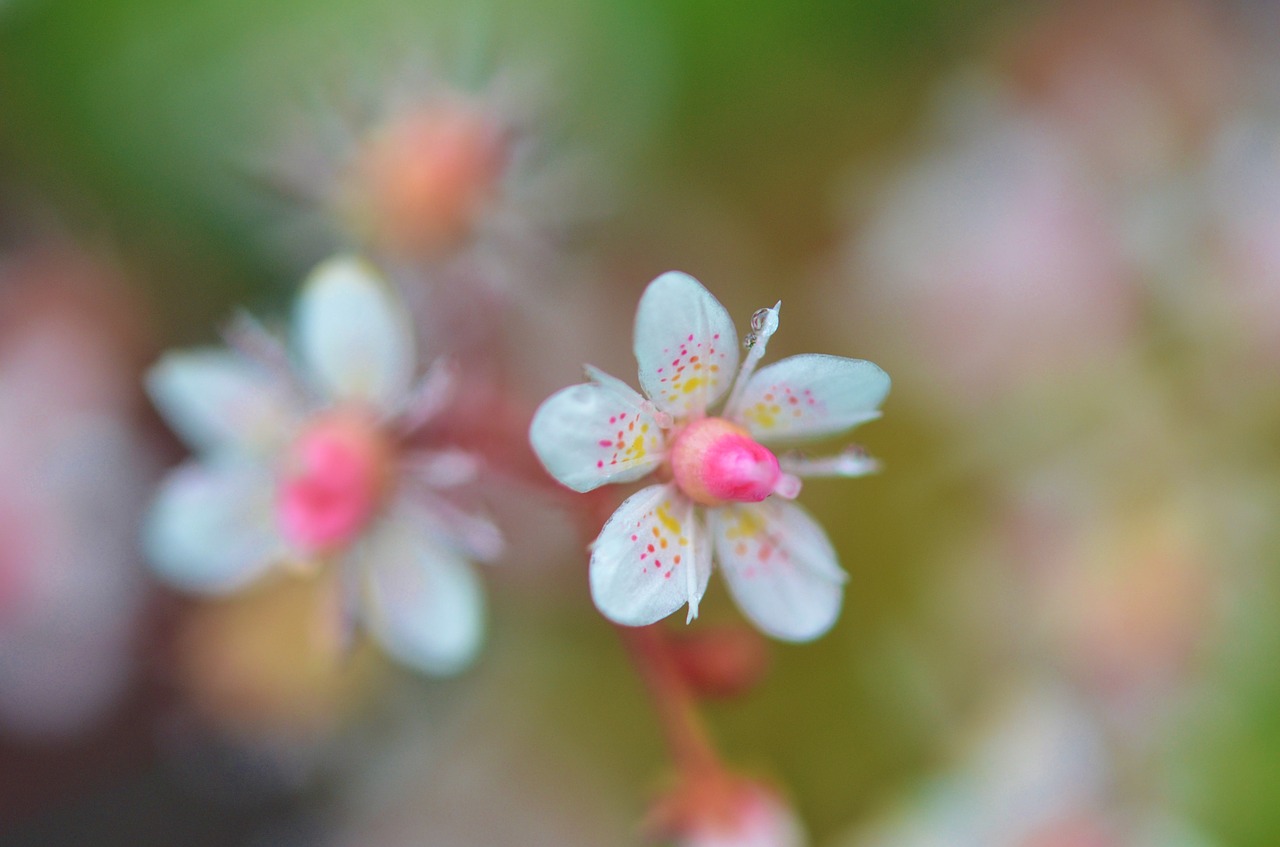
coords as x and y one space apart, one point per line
761 415
747 526
692 384
664 517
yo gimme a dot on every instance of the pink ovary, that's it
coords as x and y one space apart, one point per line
714 461
334 485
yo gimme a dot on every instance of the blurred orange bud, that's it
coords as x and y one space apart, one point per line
722 661
419 184
719 809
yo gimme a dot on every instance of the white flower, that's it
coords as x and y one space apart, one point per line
309 465
654 555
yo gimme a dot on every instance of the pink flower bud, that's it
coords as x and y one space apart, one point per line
718 809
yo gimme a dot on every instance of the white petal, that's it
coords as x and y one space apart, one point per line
812 396
685 344
214 398
640 563
595 433
424 602
780 567
212 527
354 335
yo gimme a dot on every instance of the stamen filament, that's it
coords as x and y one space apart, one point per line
850 463
764 324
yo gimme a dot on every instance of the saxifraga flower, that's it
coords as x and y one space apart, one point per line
719 488
304 460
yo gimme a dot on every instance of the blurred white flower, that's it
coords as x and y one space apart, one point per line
312 467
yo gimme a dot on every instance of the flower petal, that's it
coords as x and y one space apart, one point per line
212 528
641 562
424 602
780 567
686 345
214 399
354 336
812 396
595 433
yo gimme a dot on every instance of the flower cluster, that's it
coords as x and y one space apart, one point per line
721 494
314 455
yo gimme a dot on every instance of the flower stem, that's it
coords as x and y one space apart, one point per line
677 708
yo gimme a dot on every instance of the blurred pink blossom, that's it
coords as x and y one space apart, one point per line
74 472
993 263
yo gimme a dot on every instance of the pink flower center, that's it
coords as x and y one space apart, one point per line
714 462
335 478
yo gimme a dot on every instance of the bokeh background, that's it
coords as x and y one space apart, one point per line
1057 226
